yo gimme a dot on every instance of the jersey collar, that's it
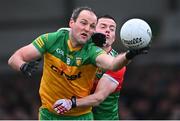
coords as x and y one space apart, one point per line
71 48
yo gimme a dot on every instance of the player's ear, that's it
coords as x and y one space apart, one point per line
71 23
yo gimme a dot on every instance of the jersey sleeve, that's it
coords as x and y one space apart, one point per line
94 52
116 77
45 41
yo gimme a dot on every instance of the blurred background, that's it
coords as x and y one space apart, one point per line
151 88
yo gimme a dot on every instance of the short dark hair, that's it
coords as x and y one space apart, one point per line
107 16
78 10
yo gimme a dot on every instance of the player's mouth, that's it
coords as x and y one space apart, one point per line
84 35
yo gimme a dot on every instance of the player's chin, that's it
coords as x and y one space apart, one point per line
106 45
83 40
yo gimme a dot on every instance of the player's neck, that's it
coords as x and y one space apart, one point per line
73 41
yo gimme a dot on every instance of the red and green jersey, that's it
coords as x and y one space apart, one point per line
67 71
108 109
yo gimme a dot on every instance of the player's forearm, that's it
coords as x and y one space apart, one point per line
63 105
91 100
23 55
108 62
15 61
119 62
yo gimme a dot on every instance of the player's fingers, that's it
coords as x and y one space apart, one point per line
56 105
61 110
60 107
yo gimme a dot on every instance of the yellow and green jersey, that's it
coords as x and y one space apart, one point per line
67 71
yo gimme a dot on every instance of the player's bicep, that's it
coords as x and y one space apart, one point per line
29 52
106 86
22 55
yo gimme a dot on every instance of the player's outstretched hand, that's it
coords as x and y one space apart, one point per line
130 54
28 68
99 39
62 105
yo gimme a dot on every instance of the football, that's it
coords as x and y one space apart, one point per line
135 34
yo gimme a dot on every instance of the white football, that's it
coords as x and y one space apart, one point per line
135 34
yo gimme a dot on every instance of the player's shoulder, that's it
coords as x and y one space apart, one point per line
95 49
55 37
64 29
62 33
91 46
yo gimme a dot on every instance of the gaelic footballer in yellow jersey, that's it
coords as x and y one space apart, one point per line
69 66
67 71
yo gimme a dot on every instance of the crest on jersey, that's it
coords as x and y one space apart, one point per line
68 60
78 61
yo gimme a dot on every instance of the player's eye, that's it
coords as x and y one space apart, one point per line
102 27
112 29
93 26
83 22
